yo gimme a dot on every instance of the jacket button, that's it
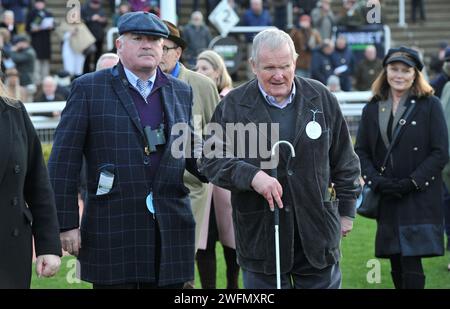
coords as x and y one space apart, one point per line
290 172
432 178
413 101
146 160
369 182
413 123
17 169
427 183
15 232
14 201
415 148
365 176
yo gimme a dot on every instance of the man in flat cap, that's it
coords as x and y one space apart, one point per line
137 229
206 98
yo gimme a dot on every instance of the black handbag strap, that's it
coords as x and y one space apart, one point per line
401 122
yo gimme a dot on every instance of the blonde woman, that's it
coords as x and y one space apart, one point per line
217 223
211 64
410 221
13 88
27 207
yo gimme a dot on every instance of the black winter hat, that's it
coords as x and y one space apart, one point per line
405 55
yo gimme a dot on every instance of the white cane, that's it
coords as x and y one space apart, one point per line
277 213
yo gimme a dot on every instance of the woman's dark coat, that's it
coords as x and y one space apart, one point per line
27 205
413 224
40 40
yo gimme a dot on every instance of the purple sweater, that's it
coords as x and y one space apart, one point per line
151 114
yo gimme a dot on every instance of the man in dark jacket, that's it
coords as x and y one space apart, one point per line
24 57
316 190
368 69
137 228
49 93
437 59
197 37
322 63
306 39
40 25
345 62
18 7
442 78
95 18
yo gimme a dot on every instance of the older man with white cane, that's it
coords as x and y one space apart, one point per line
279 106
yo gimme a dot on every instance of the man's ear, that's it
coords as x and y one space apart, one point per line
179 51
118 43
252 63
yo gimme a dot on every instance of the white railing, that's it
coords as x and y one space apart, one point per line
351 103
110 37
401 13
42 122
169 11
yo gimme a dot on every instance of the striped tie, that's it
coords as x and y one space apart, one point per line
142 88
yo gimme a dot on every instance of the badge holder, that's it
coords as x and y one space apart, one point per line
313 128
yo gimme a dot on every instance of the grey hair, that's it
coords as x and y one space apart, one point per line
104 57
50 79
198 14
8 12
273 39
333 80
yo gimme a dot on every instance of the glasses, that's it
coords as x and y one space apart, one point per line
166 49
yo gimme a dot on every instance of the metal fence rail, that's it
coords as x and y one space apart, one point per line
45 126
351 106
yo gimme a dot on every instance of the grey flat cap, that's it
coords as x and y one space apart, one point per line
142 23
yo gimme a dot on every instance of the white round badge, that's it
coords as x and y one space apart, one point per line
313 130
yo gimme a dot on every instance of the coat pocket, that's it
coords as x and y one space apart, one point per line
332 224
105 181
251 234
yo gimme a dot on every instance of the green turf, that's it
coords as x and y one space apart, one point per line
357 251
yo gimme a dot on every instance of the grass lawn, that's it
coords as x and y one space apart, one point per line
357 252
358 249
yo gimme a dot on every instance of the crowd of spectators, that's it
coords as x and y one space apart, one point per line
26 27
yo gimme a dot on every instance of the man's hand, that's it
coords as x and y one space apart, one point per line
47 265
71 241
346 226
268 187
